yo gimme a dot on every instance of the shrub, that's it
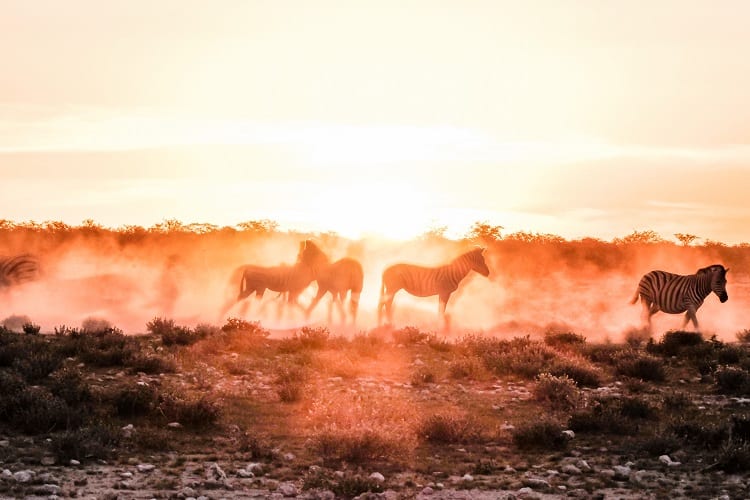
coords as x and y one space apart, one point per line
563 339
732 380
38 411
252 329
313 338
68 383
98 326
31 328
542 434
356 445
136 400
602 415
644 367
579 371
291 381
159 326
192 412
470 368
734 457
451 428
93 442
632 407
37 363
674 342
410 335
15 322
729 355
697 428
744 336
560 393
151 364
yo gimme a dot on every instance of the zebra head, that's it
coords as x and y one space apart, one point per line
718 280
477 261
312 256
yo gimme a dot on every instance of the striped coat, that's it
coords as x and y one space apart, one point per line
676 293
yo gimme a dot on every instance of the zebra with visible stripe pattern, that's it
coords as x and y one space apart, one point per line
676 293
18 269
427 281
289 281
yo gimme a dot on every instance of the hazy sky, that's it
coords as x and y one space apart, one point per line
587 118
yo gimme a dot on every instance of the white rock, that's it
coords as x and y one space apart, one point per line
128 430
467 477
427 491
74 462
6 474
255 468
126 475
569 434
289 457
288 489
174 425
668 461
571 469
216 472
23 476
245 473
583 465
145 467
622 471
4 443
377 476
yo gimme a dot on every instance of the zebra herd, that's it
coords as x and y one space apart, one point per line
657 290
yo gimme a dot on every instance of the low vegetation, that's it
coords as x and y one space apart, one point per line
412 401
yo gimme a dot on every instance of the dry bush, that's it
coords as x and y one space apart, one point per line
410 335
468 368
359 428
560 393
543 434
674 343
135 399
453 427
567 340
744 336
94 442
291 382
423 375
578 369
642 366
732 380
197 412
14 323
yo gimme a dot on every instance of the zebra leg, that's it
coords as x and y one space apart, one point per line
340 298
314 303
353 306
442 305
690 315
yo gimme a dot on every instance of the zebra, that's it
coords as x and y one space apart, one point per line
18 269
339 278
427 281
289 281
675 293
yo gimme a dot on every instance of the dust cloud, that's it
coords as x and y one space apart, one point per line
535 284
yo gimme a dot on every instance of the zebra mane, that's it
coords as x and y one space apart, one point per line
712 269
311 254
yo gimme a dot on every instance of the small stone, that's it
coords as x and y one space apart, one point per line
174 425
569 434
4 443
288 489
571 469
47 460
467 477
126 475
289 457
621 471
145 467
377 476
74 462
23 476
427 491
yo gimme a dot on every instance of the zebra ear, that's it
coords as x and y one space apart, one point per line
726 270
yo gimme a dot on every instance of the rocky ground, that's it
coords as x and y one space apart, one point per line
267 442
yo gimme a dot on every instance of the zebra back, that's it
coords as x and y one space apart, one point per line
18 269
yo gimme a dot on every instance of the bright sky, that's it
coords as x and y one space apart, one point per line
579 118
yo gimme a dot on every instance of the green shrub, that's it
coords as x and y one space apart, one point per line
151 365
31 328
579 371
698 429
357 445
734 457
423 375
470 368
744 336
251 329
674 342
68 383
291 381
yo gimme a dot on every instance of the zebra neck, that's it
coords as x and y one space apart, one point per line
703 285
